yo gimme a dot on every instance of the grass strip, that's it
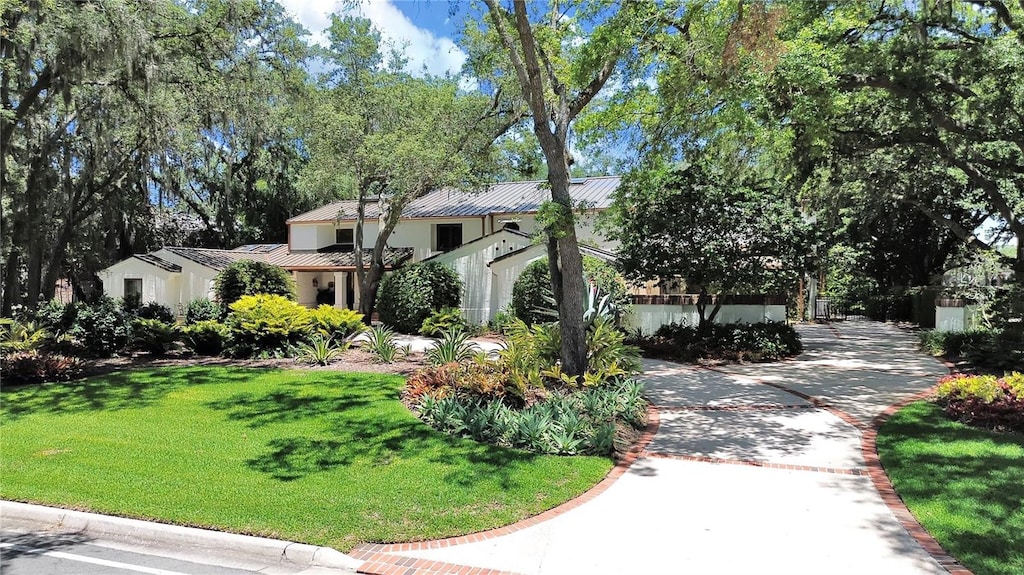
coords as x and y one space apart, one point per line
965 485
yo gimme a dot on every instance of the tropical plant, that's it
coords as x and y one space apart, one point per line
381 344
24 367
454 347
154 336
57 317
443 320
320 350
18 336
207 337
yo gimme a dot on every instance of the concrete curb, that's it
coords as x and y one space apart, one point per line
174 539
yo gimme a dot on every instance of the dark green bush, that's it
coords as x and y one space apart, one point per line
409 295
202 310
154 336
984 348
207 337
154 310
26 367
732 341
266 326
102 329
251 277
57 317
532 298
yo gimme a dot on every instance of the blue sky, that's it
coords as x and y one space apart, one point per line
423 26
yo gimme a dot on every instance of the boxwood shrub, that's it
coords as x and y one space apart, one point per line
409 295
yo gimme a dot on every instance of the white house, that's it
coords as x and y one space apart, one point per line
485 236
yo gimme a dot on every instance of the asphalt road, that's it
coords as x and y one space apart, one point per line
45 554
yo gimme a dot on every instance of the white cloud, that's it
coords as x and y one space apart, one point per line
423 49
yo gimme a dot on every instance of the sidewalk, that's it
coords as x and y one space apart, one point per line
754 469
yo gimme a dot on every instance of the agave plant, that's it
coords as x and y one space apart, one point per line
381 344
453 347
320 350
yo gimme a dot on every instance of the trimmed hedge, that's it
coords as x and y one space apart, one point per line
408 295
252 277
731 341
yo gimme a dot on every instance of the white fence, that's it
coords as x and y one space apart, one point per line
651 312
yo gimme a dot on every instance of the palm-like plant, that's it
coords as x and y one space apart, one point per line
453 347
320 350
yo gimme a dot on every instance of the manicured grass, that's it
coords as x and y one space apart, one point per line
321 457
964 485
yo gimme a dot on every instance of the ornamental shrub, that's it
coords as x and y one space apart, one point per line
154 336
26 367
207 337
984 400
102 329
202 310
339 324
532 300
57 317
409 295
734 341
252 277
154 310
266 326
443 320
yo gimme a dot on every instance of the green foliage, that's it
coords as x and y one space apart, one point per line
532 297
266 325
320 350
443 320
57 317
202 310
206 337
453 347
101 329
410 294
154 310
18 336
718 229
337 324
25 367
985 348
561 424
252 277
154 336
984 400
733 341
381 344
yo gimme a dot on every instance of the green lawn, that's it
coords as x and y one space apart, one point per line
964 485
321 457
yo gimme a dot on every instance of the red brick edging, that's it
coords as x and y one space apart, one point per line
383 559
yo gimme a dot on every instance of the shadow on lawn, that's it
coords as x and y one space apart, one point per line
975 483
365 424
113 391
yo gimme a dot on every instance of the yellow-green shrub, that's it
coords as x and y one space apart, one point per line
266 326
340 324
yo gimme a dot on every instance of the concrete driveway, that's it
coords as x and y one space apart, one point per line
766 468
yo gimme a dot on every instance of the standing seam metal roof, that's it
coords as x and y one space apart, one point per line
505 197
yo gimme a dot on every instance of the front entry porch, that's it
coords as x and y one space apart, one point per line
337 288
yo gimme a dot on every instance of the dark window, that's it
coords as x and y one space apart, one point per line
133 292
510 226
449 237
345 238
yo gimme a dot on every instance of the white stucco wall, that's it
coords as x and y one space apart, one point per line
649 317
158 285
196 281
506 272
956 318
478 280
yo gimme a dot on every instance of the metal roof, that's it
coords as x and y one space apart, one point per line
598 253
160 263
258 248
333 260
505 197
215 259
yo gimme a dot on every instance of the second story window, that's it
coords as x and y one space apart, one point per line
344 238
449 237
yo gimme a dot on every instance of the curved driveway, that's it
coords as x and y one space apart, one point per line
754 469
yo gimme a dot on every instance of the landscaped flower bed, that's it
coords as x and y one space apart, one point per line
984 400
